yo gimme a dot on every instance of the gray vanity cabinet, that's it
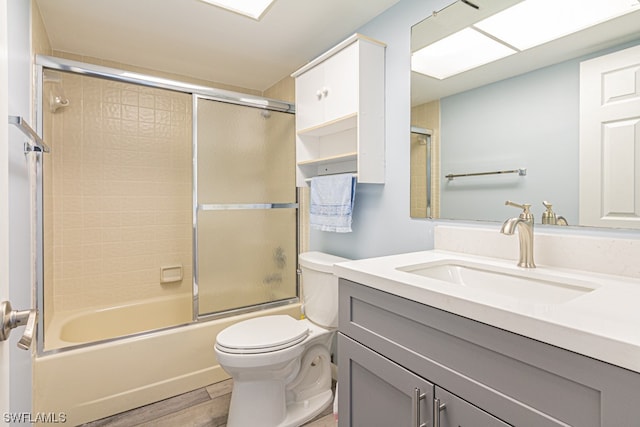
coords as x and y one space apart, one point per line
389 346
382 393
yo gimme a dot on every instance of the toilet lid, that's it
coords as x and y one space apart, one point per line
262 334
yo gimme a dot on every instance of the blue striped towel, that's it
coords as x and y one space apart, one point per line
332 199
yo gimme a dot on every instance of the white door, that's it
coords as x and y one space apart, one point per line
4 226
15 269
610 140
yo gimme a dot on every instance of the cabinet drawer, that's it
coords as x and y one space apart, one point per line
521 381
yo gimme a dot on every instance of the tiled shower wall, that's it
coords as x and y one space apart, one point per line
121 192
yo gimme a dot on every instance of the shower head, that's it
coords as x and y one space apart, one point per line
57 101
57 98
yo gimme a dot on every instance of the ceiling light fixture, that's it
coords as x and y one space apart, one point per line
525 25
252 8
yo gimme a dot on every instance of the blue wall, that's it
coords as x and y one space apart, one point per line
529 121
381 222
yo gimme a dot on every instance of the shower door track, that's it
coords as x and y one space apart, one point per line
116 74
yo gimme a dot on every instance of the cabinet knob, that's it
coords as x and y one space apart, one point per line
319 94
325 91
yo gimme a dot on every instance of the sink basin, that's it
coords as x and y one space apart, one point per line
532 286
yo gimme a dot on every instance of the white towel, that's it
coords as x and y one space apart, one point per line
332 199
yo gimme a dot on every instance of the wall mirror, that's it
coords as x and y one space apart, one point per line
518 114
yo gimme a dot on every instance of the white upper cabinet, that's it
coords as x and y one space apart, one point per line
329 90
340 112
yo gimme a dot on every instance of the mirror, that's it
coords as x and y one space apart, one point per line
518 115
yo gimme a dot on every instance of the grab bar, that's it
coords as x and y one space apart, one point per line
521 172
38 143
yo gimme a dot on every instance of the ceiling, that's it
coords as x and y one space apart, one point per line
195 39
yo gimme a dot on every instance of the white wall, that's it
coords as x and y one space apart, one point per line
381 222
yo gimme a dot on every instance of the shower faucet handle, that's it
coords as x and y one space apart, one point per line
11 319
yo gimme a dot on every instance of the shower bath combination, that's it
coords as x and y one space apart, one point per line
145 175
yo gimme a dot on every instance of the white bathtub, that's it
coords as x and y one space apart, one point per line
103 379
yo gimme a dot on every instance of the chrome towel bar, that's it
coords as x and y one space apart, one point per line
38 143
521 172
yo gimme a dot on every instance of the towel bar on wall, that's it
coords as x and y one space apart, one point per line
38 144
355 175
521 172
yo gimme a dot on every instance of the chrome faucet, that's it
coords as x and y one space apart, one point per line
524 224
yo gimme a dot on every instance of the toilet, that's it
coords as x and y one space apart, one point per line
281 366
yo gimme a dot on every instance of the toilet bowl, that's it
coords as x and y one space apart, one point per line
281 366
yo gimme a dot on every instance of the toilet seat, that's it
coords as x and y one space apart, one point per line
262 335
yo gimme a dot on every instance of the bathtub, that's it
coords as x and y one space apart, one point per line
76 327
94 381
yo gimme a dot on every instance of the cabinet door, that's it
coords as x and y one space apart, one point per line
309 99
341 78
455 412
374 391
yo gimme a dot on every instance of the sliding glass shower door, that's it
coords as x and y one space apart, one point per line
245 206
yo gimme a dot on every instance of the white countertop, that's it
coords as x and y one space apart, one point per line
603 323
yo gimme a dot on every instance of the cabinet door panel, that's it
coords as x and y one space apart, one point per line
460 413
377 392
309 106
340 89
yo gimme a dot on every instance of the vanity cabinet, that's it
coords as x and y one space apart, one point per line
389 346
340 112
383 393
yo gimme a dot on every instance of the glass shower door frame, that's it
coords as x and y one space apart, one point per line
197 207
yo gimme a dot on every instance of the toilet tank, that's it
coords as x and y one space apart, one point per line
320 287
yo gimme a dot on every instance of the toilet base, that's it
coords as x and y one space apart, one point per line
300 412
270 406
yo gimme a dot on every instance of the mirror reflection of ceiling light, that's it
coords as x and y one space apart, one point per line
534 22
251 8
458 52
525 25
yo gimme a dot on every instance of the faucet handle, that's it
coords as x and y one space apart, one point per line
526 213
548 216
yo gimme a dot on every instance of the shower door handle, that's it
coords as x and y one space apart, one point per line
11 319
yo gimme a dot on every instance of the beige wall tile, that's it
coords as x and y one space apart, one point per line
122 195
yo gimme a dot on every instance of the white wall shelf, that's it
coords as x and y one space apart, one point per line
340 112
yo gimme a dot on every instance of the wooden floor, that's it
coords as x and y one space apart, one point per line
203 407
